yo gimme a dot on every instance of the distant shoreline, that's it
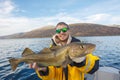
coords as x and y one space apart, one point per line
74 36
78 29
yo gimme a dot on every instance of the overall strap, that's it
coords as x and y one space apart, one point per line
65 70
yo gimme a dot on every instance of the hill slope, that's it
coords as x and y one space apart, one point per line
78 29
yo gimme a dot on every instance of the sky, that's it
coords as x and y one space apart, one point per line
25 15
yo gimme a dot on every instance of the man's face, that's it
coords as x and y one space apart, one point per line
62 35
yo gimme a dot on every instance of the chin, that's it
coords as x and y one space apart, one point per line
63 37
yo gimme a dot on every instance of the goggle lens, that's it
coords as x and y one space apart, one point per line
63 30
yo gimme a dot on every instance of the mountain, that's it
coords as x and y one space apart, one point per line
77 29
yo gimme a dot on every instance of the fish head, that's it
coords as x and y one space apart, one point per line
81 49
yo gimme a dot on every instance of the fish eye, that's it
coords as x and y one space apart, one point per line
81 46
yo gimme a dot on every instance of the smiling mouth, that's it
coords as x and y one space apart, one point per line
62 35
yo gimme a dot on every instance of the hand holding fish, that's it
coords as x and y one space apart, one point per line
35 66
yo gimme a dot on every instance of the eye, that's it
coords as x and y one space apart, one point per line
81 46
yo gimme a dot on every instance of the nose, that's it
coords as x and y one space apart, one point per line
61 32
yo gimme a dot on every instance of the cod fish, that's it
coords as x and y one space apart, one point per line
54 56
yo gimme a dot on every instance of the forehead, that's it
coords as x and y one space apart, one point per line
61 26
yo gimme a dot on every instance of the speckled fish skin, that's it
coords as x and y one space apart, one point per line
55 56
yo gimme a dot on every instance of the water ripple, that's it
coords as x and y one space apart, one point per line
107 50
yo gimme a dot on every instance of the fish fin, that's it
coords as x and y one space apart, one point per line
67 61
45 50
27 51
14 63
49 50
55 47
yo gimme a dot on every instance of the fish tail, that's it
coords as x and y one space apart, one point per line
14 63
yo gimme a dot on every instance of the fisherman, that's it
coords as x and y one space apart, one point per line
74 71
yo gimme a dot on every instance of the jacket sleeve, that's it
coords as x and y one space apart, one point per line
92 64
89 65
44 75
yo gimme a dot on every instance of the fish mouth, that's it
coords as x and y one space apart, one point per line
90 50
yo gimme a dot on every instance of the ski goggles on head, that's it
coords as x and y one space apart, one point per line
63 30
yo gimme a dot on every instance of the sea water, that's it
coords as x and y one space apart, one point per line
107 48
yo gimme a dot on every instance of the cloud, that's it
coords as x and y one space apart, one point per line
96 18
6 8
23 24
103 18
10 24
